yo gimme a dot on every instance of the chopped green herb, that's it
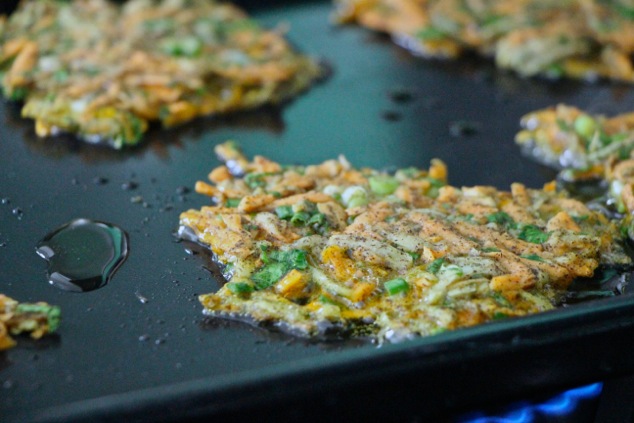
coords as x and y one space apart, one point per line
605 138
354 196
624 153
264 254
308 216
53 318
240 288
438 331
300 218
490 250
533 257
585 126
555 71
277 264
415 256
25 308
326 300
251 227
408 172
620 137
430 33
317 219
436 183
383 184
499 315
563 125
284 212
453 271
301 170
134 132
17 94
357 201
500 299
624 230
268 275
254 180
501 218
625 11
232 202
533 234
185 46
396 286
52 313
295 259
435 265
579 219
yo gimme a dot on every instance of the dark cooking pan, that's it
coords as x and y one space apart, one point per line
139 349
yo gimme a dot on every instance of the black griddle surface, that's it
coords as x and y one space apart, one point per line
139 349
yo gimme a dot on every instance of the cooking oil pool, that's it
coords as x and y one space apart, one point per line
83 254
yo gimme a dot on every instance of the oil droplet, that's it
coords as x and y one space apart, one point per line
463 128
17 212
129 186
142 298
83 254
182 190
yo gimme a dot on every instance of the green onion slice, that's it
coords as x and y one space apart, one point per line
396 286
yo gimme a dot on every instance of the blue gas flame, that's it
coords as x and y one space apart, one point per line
527 412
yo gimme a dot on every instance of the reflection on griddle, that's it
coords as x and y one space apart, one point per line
272 335
158 141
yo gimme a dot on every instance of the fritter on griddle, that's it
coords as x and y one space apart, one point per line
104 70
390 256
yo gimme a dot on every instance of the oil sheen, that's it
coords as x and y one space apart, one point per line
83 254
